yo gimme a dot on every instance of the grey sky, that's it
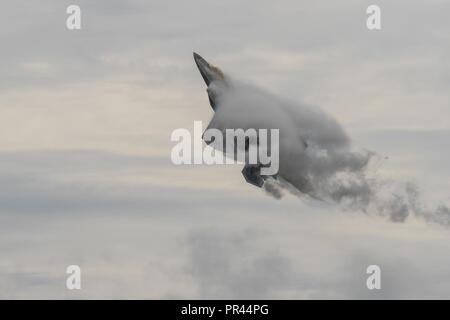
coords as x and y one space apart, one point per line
85 171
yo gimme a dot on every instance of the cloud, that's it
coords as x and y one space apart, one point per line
85 125
230 266
138 240
248 264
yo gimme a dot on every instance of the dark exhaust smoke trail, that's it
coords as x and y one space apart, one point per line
335 173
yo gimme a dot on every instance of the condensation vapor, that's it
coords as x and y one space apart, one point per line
317 159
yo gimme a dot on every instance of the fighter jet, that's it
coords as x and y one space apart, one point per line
305 132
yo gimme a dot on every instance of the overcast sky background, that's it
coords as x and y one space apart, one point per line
85 171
